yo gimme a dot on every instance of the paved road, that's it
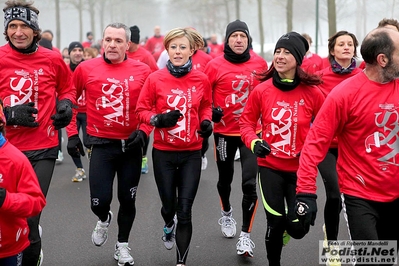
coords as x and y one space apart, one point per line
67 223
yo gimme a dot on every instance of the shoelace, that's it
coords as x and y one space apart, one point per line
124 252
227 221
168 236
245 241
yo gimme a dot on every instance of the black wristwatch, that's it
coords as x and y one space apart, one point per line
153 120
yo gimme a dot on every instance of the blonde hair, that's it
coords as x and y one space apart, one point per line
194 38
91 51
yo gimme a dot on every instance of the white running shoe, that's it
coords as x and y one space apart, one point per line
40 261
122 254
245 246
169 235
60 157
228 224
204 163
237 156
100 232
79 175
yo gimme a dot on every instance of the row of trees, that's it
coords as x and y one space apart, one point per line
268 19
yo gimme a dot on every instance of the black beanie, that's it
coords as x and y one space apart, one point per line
237 25
135 34
73 45
295 43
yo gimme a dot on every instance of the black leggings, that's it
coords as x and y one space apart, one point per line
371 220
226 147
106 161
81 123
278 190
44 170
15 260
178 170
333 206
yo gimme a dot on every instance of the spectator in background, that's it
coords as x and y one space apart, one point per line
76 55
154 44
311 62
20 198
65 55
141 54
89 53
89 40
233 77
24 62
215 48
48 35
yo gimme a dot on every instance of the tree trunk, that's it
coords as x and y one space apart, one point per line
58 24
290 6
237 9
332 17
261 33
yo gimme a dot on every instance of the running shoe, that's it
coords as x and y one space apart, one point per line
122 254
204 163
228 224
79 175
169 235
60 157
333 258
144 166
100 232
40 261
245 246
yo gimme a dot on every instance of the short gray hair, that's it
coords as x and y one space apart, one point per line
118 25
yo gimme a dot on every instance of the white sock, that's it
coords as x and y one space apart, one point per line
245 234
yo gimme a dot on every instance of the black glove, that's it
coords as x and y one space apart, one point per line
167 119
217 114
21 115
2 196
261 149
64 114
306 209
206 129
75 147
137 138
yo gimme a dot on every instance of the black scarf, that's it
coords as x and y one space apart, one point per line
283 85
179 71
232 57
338 69
29 50
73 66
108 61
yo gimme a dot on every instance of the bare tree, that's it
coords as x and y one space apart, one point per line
57 23
289 9
261 32
332 17
238 9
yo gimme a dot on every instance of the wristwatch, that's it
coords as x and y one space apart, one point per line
153 120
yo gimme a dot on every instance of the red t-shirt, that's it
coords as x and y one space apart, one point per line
155 46
312 63
112 91
191 94
200 59
231 85
285 117
363 114
143 55
39 77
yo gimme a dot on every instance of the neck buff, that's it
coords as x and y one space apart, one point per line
286 85
179 71
338 69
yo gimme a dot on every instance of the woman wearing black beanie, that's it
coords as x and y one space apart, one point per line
285 102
